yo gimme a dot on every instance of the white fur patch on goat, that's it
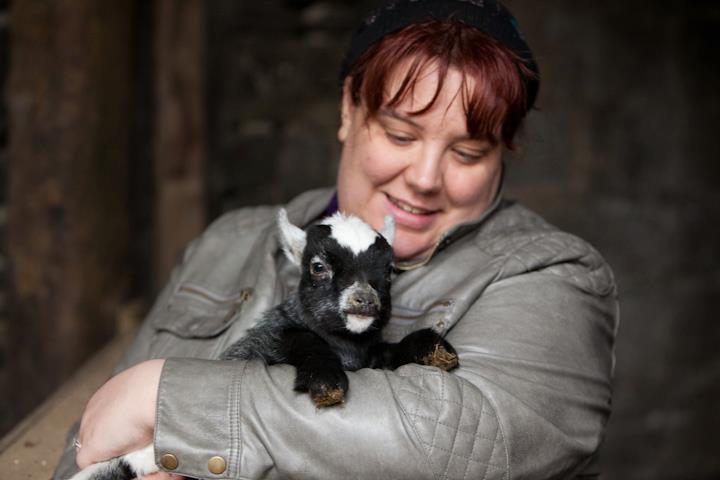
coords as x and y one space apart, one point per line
292 238
353 322
351 232
141 461
358 323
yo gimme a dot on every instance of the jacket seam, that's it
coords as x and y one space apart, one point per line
236 420
461 405
459 430
503 438
456 435
482 411
475 442
535 240
413 427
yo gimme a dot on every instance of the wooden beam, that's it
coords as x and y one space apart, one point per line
180 129
68 102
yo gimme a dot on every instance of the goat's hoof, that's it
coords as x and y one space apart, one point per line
441 358
326 396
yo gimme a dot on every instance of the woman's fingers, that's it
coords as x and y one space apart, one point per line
162 476
120 416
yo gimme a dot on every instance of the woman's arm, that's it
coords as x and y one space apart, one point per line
120 416
531 396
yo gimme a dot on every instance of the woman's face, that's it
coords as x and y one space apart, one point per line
424 170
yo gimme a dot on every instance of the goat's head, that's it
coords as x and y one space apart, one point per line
345 272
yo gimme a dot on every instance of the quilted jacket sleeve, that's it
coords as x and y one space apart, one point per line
530 399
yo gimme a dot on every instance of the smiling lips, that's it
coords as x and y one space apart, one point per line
409 208
410 215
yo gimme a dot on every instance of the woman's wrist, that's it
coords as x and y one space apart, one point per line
120 416
150 377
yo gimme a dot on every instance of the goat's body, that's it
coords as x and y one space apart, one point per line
267 341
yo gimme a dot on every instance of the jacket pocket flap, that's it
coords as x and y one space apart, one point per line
195 312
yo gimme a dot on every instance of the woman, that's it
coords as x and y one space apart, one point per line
433 92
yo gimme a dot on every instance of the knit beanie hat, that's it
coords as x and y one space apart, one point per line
488 16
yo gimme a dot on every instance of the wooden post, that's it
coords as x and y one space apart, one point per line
68 100
180 131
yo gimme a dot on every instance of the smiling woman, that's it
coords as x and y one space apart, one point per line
433 92
424 169
424 113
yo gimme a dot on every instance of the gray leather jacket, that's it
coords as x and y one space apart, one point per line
531 310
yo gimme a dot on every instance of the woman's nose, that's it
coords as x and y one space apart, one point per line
423 174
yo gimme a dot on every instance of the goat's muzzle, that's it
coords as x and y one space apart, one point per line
361 304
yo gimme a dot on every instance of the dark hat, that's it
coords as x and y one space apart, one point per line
488 16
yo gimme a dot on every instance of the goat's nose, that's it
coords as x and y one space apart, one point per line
362 299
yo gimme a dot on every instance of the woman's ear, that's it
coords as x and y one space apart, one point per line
347 108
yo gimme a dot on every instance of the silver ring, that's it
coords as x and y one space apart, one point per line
77 444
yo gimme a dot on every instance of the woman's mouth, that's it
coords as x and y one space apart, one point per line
412 216
409 208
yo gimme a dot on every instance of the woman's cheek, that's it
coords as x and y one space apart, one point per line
382 166
472 188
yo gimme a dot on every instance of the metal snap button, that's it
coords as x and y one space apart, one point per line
169 461
216 465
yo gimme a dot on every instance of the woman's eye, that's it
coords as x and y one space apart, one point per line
469 157
399 139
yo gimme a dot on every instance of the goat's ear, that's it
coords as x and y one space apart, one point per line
388 230
293 238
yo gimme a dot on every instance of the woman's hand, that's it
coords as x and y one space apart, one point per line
162 476
120 416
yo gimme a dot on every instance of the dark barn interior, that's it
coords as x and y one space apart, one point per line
125 127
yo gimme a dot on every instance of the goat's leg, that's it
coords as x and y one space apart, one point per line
424 347
319 370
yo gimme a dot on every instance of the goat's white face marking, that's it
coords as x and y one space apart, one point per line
353 322
351 232
358 323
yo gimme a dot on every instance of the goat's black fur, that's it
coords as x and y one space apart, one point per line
309 330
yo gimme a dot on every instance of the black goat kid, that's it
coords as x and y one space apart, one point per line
333 322
330 325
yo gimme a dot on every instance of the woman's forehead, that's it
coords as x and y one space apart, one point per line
429 85
432 97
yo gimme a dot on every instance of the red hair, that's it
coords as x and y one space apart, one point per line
495 102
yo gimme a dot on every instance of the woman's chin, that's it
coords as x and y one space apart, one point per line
407 250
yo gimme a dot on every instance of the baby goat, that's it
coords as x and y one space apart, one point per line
330 325
333 322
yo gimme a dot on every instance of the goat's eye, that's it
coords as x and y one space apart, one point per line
317 268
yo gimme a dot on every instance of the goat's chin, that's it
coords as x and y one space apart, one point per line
358 323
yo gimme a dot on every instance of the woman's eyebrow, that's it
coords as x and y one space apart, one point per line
389 112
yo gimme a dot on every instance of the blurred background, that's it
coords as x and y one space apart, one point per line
126 126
